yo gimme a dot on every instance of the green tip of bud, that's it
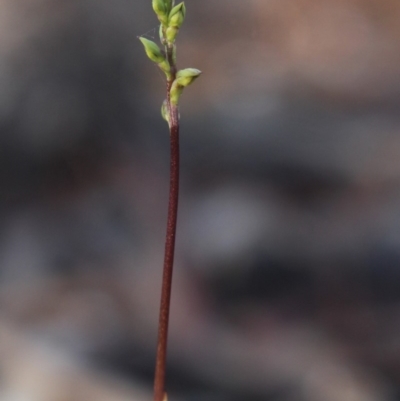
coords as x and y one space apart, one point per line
177 15
152 50
187 76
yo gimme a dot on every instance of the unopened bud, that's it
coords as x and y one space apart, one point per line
183 78
187 76
153 51
161 9
171 34
177 15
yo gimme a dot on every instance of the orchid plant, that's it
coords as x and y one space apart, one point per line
171 18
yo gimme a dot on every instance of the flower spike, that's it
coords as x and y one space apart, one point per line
171 17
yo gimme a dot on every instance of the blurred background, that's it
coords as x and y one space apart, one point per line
287 277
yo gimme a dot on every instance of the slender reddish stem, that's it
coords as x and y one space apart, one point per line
159 376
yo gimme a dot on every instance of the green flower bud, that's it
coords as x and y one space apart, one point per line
187 76
161 9
175 93
153 51
177 15
183 78
164 111
171 34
